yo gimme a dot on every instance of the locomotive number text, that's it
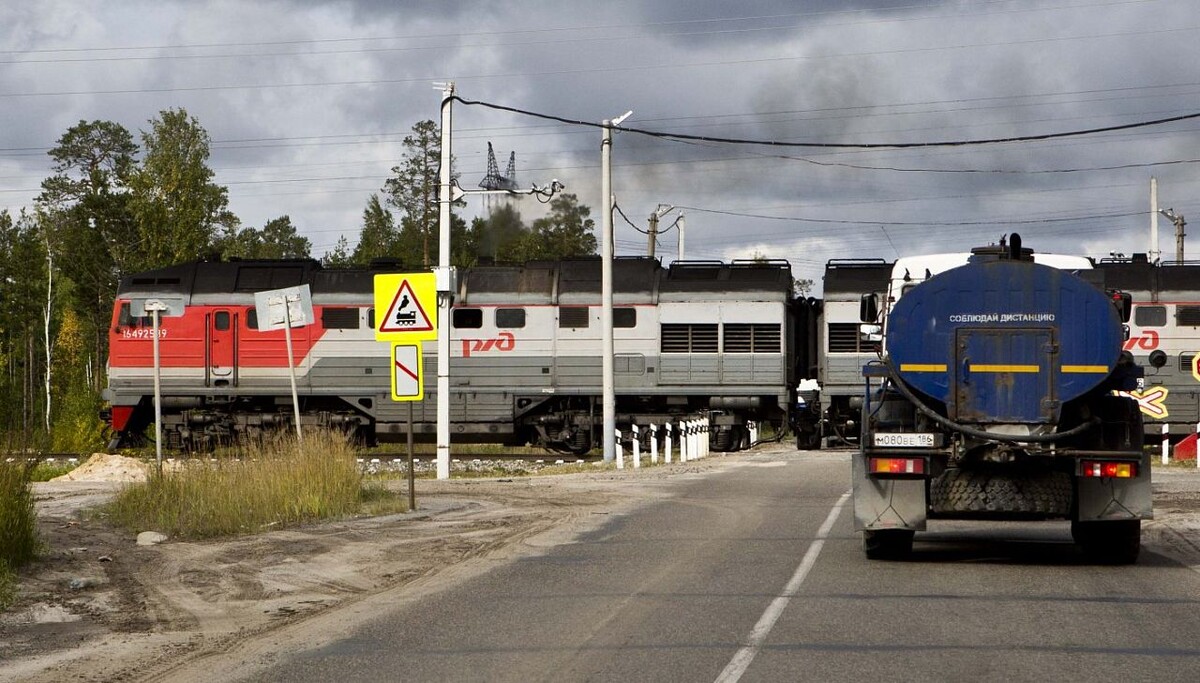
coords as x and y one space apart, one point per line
142 333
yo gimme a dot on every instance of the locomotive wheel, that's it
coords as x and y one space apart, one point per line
888 544
581 442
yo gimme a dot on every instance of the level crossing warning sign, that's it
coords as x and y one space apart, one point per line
405 307
407 378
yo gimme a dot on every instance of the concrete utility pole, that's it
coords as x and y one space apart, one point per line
1177 219
608 432
444 291
653 234
1155 252
662 210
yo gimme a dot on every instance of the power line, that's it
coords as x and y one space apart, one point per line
836 221
834 145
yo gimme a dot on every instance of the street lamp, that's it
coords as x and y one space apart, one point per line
606 298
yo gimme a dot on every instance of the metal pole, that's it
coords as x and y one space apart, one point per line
680 225
1179 235
606 297
443 339
653 233
157 391
1155 253
287 335
412 489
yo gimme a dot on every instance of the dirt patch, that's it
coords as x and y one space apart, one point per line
98 607
107 467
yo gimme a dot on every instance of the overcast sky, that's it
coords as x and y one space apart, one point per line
307 103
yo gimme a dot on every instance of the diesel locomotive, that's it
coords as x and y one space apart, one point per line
525 367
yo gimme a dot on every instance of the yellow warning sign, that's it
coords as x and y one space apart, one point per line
405 307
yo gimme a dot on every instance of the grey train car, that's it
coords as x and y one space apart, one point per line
525 341
1164 338
842 352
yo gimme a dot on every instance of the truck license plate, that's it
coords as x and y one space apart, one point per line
909 440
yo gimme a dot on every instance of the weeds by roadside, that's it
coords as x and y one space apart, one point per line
278 484
18 526
47 469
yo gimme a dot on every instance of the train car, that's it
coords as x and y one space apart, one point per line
525 363
842 350
1164 337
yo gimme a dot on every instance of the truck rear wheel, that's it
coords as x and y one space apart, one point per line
965 491
888 544
1116 542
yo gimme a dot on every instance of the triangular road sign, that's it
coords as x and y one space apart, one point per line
405 314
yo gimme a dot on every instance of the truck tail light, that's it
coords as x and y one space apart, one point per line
1107 469
897 465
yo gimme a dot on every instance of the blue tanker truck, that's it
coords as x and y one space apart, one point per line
994 398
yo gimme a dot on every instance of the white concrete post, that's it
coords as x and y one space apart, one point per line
753 433
443 336
637 447
653 444
667 442
619 450
693 442
683 441
1166 444
707 435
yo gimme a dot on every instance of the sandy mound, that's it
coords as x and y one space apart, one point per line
108 467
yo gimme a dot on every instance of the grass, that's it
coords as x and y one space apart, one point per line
49 469
276 484
18 526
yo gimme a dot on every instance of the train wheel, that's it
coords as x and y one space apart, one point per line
581 442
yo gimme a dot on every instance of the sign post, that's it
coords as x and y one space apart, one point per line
286 308
406 314
158 308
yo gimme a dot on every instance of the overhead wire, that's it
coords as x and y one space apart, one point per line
666 135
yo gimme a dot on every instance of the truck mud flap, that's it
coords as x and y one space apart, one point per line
1115 499
886 503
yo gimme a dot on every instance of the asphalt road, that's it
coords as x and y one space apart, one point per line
754 573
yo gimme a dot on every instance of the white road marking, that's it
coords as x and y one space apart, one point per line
741 660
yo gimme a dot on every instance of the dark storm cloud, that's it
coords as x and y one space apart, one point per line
830 71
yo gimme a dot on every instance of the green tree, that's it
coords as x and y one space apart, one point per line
277 239
22 296
177 208
464 248
414 190
565 232
87 226
379 236
93 162
502 235
340 257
